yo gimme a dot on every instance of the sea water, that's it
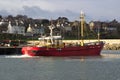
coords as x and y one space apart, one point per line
20 67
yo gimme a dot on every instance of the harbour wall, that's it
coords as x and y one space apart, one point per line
110 44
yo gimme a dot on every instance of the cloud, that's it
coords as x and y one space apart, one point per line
94 9
37 12
4 13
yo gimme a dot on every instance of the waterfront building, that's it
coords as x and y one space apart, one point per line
15 29
33 30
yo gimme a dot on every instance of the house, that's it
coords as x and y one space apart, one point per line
15 29
33 30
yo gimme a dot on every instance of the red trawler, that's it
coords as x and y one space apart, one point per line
54 46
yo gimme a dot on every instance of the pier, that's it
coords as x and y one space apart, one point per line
10 50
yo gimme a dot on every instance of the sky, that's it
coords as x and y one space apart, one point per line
103 10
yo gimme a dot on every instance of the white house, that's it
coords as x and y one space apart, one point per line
68 28
33 30
15 29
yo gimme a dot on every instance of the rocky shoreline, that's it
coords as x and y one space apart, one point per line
110 44
111 47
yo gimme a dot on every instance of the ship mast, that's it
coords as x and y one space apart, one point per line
82 27
98 34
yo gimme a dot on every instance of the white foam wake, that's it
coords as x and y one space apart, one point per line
18 56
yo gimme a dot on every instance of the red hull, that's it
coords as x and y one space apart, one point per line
89 50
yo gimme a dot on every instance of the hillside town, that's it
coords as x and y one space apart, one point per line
29 27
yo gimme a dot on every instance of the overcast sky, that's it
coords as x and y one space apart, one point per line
104 10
